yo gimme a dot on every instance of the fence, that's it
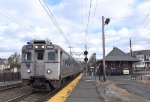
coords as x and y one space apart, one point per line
9 76
136 76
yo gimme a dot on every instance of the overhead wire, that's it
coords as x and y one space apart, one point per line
89 13
15 20
94 14
143 30
140 27
82 14
85 22
87 26
143 24
82 21
50 14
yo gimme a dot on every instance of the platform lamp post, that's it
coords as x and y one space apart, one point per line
103 42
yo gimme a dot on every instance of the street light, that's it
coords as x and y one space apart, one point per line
107 21
103 42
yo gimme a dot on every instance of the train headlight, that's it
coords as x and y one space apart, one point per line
29 71
43 46
36 46
48 71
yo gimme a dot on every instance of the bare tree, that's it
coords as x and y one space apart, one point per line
15 60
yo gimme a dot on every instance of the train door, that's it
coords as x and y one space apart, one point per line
39 62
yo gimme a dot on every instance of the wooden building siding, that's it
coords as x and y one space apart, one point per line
117 67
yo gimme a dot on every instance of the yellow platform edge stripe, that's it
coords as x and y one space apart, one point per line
62 95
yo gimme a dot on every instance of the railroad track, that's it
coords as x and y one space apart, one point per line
37 96
7 87
18 98
32 97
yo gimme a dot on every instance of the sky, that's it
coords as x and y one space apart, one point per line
25 20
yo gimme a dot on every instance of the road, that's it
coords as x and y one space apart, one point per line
132 86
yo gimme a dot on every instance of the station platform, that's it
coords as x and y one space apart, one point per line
81 89
85 91
9 83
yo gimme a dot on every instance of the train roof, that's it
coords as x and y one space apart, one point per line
43 42
39 42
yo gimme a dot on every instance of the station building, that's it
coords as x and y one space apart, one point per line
118 62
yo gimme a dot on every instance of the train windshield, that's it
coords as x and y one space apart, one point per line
40 54
51 55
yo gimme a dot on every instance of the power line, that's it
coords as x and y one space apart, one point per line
143 24
15 20
89 17
94 13
144 28
50 14
82 14
83 20
89 13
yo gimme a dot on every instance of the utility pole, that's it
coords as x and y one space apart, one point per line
103 43
130 48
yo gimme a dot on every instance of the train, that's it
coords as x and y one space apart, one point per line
46 66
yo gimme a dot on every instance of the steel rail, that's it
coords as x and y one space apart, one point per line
20 97
6 87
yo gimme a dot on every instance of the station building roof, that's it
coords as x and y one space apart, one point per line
117 55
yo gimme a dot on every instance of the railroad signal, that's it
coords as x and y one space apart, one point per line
85 52
85 59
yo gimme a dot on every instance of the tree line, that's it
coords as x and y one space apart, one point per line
15 60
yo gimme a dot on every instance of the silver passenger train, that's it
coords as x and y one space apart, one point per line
46 66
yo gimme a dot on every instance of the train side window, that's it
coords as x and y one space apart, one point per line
51 55
28 56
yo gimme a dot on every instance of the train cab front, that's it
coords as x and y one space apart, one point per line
40 64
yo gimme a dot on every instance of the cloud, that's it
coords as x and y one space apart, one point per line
72 15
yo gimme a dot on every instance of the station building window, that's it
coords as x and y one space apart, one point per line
112 65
